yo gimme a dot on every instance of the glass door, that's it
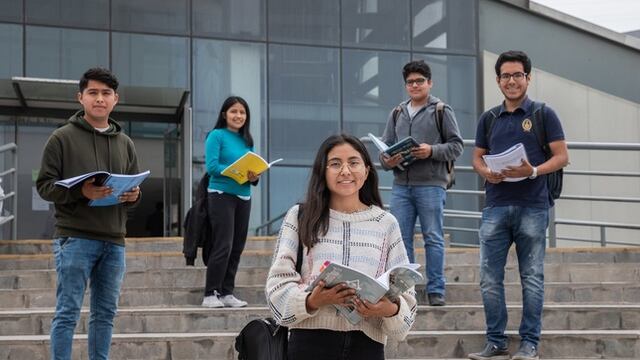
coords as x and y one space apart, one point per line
172 197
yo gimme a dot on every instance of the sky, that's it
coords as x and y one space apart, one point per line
618 15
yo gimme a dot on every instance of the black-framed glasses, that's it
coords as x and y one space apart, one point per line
517 76
419 81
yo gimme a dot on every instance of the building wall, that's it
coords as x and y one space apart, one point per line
308 68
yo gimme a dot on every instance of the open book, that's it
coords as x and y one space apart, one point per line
119 183
392 283
403 147
248 162
513 156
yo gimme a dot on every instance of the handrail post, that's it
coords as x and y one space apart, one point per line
552 227
14 223
603 236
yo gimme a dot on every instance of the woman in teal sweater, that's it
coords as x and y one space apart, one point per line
228 203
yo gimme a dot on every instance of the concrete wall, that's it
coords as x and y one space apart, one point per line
587 114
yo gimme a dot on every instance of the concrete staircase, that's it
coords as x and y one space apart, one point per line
592 308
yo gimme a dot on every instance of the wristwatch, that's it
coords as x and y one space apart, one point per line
534 174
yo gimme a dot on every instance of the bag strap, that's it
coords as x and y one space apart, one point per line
396 112
440 126
300 244
488 124
539 128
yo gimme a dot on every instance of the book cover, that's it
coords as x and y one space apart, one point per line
119 183
248 162
403 147
392 283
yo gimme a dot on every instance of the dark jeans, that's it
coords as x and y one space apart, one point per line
229 217
320 344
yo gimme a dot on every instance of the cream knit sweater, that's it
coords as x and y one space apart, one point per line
369 241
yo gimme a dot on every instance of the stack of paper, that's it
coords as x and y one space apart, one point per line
513 156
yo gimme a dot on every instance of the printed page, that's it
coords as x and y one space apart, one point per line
510 157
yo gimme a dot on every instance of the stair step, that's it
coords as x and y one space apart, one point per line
594 344
195 276
460 293
199 319
142 260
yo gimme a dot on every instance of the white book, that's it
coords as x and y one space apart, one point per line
513 156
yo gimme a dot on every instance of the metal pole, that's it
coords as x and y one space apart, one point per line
552 227
14 225
603 236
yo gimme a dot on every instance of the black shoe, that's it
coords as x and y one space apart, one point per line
436 299
527 351
491 352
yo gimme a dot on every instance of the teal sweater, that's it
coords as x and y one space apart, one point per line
222 148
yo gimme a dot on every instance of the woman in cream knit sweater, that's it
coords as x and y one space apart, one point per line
342 221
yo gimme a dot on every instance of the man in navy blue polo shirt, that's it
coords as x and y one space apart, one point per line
516 212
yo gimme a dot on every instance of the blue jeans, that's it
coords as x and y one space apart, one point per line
78 260
427 204
501 226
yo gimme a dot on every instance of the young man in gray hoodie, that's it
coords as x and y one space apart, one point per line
88 244
419 189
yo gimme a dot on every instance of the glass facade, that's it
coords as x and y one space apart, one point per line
307 68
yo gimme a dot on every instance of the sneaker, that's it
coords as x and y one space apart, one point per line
232 301
436 299
527 351
212 302
491 352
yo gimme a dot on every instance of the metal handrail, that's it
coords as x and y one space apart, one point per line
553 221
12 194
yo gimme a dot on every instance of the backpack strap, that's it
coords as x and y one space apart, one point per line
488 124
539 128
396 112
439 125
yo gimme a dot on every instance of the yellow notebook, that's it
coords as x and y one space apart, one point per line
248 162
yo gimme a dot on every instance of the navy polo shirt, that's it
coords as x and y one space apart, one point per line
510 128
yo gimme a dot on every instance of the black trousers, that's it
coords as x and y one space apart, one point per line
229 217
320 344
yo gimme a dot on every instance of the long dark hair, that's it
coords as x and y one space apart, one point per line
314 220
222 121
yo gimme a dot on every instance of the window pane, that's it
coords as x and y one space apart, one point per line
376 23
11 41
94 13
304 21
64 53
161 16
288 186
11 10
454 82
220 69
304 93
441 24
238 19
150 60
372 85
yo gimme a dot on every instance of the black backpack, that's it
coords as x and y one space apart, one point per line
451 178
554 179
264 339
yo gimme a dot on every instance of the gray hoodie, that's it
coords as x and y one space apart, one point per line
433 170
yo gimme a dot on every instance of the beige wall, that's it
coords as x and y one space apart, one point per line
592 116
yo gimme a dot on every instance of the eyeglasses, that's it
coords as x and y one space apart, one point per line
419 81
353 165
517 76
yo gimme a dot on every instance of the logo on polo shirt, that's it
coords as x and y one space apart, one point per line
526 125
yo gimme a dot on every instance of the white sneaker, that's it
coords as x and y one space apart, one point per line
212 302
232 301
